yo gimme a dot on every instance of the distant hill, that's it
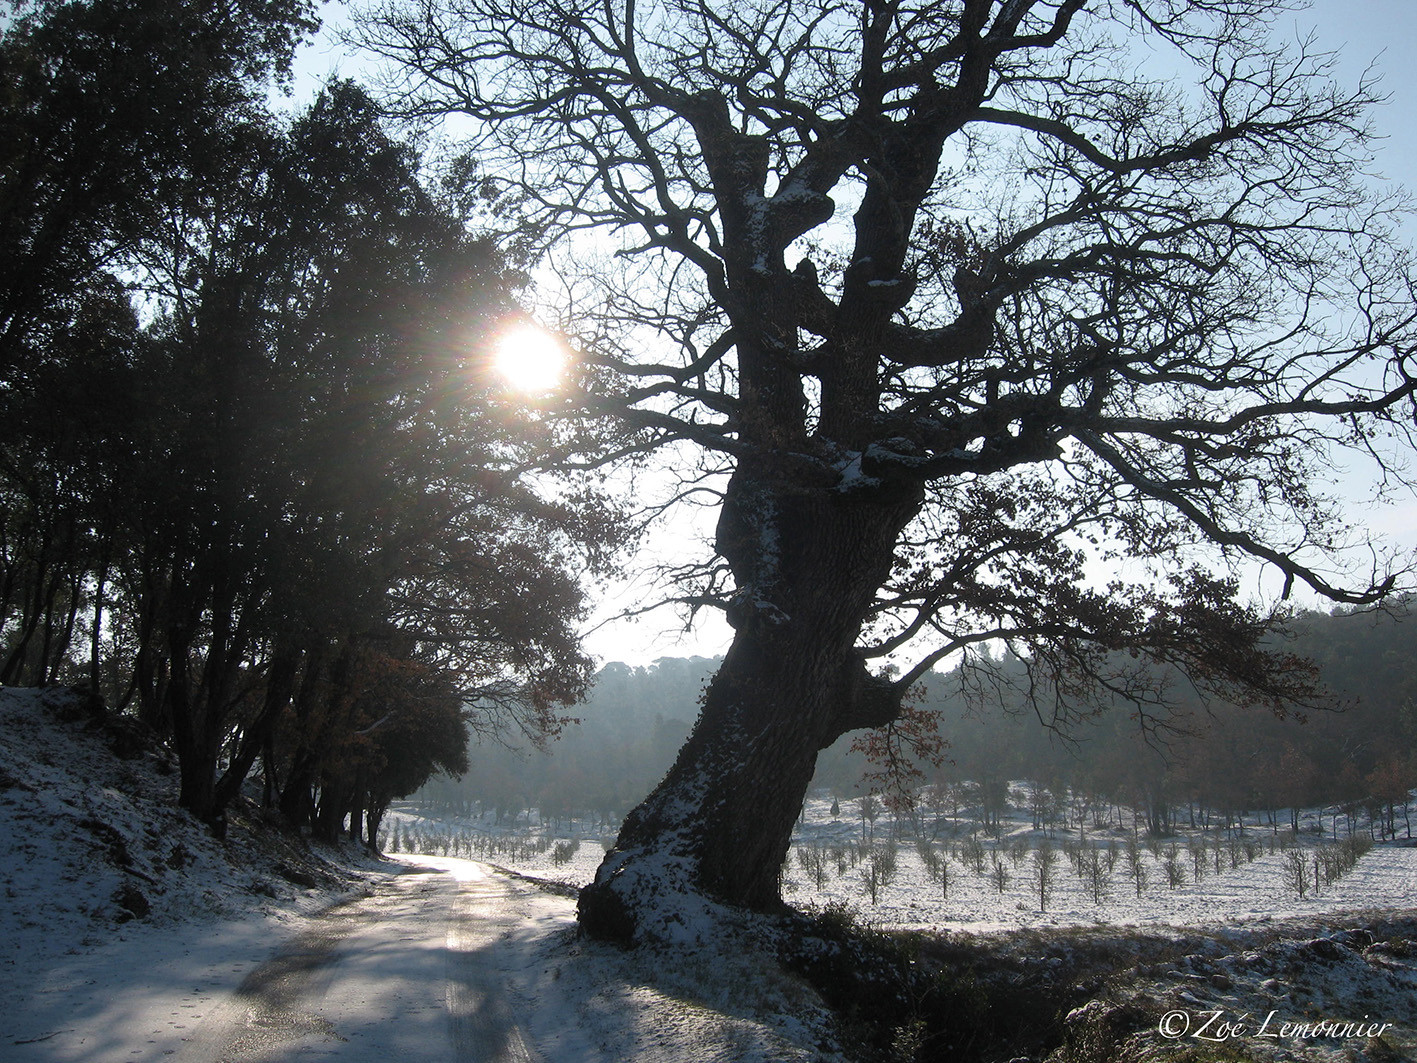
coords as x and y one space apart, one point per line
626 735
1219 757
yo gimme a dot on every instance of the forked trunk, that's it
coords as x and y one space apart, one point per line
808 563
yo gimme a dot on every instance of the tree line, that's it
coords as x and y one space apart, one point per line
1205 763
624 737
1221 761
258 487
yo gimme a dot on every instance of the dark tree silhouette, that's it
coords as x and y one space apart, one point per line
962 300
105 108
108 105
248 430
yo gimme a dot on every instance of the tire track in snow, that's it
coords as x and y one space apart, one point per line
402 975
269 1008
484 1027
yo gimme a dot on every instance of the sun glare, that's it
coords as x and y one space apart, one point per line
530 359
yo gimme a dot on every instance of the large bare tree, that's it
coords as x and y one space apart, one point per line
1033 320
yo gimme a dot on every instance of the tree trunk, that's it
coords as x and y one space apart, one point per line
297 802
257 735
330 813
54 644
807 563
355 802
96 634
193 739
12 671
373 818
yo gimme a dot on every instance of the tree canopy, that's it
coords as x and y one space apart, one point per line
259 484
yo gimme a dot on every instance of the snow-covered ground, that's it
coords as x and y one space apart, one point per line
1252 883
1233 965
128 933
93 848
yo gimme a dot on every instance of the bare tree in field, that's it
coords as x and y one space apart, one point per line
946 304
1136 866
1296 872
1097 873
1045 862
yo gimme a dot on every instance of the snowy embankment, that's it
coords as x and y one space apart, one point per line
127 932
122 921
93 848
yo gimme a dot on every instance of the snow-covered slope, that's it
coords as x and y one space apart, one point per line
122 919
91 839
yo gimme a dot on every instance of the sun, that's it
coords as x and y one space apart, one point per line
530 359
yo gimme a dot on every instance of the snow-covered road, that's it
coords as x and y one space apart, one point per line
424 968
444 959
419 971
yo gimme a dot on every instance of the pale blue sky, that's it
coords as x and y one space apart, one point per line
1382 32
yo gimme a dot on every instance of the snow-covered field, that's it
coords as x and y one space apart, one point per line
1254 879
1234 966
